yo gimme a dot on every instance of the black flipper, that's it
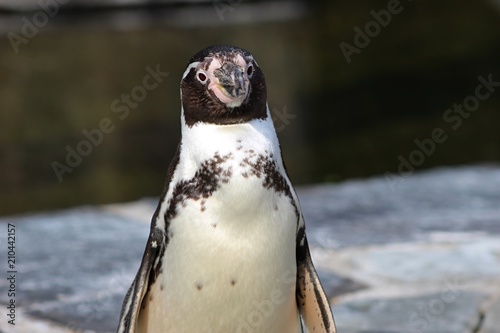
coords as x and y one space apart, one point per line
311 299
139 288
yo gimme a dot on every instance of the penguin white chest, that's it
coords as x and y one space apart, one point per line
229 265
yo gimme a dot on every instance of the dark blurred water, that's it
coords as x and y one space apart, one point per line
64 87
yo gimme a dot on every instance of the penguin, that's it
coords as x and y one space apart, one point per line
227 250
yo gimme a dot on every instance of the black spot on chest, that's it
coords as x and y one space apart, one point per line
264 166
202 185
215 171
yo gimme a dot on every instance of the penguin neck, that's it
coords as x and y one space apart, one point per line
202 140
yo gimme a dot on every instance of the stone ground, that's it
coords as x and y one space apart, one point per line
416 254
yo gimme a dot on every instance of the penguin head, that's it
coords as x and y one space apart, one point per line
223 85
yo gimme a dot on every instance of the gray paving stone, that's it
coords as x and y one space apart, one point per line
367 331
336 285
427 313
375 211
491 323
469 258
75 266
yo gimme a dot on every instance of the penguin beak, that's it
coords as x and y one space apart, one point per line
232 81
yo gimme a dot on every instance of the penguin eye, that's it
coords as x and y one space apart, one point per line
250 70
201 76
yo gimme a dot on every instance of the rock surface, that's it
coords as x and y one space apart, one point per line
419 255
491 322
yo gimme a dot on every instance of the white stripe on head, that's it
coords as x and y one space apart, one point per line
186 72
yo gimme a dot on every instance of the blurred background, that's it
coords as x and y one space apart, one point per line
351 86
